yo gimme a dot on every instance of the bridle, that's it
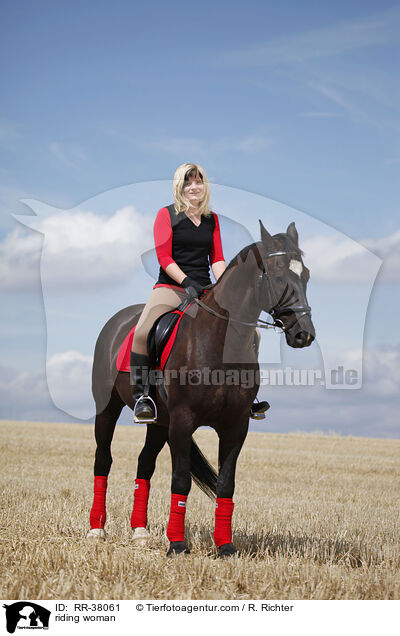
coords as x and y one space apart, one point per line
282 306
286 303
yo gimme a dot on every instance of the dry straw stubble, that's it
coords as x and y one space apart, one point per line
316 517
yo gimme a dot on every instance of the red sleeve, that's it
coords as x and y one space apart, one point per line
216 253
163 238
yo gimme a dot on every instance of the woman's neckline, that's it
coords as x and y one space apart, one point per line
200 218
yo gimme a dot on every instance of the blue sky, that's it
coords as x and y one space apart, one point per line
296 102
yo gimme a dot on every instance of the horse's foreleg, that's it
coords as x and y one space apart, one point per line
229 449
180 439
156 436
104 430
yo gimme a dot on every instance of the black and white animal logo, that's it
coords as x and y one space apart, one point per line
26 615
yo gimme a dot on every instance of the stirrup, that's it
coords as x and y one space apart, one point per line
259 414
149 420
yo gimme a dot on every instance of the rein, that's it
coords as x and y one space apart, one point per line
262 324
276 311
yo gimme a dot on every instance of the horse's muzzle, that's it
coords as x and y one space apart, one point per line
302 339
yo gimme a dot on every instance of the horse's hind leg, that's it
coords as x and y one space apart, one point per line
156 436
104 430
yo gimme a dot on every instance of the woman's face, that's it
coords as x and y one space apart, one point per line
193 190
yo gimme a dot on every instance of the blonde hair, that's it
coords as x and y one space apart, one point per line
182 173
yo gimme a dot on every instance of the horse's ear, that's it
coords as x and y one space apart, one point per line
292 234
266 237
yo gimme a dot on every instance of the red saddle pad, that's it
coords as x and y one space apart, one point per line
124 354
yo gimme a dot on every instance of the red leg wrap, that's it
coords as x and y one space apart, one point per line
98 511
223 521
140 500
176 524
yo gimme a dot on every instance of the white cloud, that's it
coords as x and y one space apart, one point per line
70 365
25 395
382 374
69 378
80 249
387 248
85 250
19 257
67 382
370 411
337 258
300 411
16 385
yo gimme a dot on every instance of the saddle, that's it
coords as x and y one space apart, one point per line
159 341
160 333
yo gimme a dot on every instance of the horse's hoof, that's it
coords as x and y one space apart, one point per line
226 550
177 547
96 533
140 537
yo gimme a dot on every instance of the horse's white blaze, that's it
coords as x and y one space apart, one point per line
296 267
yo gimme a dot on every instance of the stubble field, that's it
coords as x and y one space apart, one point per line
316 517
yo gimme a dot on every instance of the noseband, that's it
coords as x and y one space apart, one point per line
280 307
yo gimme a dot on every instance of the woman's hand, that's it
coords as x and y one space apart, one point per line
191 287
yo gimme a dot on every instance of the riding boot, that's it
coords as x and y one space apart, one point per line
257 411
144 405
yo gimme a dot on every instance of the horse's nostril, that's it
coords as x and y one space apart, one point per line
303 338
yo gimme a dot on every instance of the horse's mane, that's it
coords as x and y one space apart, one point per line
286 245
242 255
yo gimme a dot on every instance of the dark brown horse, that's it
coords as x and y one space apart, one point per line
213 377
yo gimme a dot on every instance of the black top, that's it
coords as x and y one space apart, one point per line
191 245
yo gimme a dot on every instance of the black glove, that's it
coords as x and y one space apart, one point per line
192 289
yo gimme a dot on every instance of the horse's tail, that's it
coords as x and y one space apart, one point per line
202 472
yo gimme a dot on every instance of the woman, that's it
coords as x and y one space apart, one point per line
187 240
